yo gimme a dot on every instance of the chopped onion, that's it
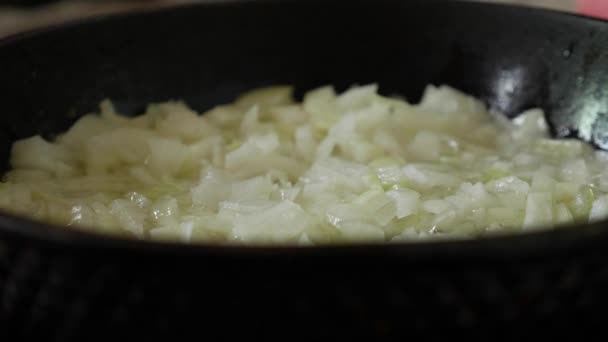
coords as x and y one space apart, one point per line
350 167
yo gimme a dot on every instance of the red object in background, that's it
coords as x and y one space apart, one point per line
594 8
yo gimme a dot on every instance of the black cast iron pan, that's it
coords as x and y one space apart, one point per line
59 284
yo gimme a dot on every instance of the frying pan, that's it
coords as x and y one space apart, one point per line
59 284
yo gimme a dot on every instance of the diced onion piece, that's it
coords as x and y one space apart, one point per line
285 221
407 201
539 210
599 209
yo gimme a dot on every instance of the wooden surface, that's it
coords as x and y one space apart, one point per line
15 20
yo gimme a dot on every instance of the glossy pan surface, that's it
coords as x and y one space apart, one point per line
66 285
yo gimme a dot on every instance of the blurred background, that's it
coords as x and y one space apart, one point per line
21 15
